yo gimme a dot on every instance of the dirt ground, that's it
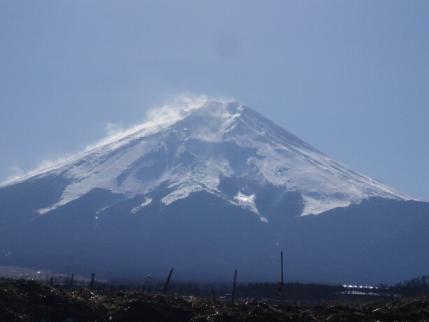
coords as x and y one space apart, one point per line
32 301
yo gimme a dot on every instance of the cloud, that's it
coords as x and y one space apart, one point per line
112 128
155 118
17 174
170 113
14 172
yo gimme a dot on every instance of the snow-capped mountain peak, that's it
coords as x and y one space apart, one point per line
217 146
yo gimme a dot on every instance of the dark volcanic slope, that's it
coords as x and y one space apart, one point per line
204 237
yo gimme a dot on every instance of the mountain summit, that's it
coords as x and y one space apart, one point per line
206 187
201 145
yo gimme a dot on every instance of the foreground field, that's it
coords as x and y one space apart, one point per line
31 301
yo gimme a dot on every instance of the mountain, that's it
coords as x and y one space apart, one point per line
209 186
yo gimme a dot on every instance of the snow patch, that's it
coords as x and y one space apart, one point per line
313 206
44 211
248 202
145 203
99 211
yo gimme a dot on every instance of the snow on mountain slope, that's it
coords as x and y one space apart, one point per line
193 144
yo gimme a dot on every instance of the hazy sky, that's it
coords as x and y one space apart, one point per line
348 77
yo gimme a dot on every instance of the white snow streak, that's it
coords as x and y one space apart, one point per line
145 203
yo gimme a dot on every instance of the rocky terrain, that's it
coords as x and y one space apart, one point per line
32 301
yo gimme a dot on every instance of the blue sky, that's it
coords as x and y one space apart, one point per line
348 77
